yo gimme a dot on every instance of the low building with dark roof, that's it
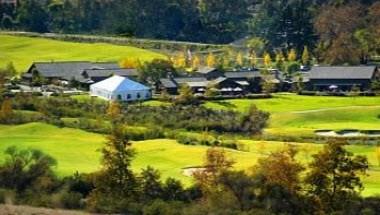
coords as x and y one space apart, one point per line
226 86
242 76
66 70
343 78
97 75
169 85
84 72
209 73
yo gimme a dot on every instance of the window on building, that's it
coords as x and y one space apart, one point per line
138 95
119 97
129 96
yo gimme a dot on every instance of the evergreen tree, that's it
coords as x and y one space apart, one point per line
116 186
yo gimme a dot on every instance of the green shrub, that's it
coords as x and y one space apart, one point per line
71 200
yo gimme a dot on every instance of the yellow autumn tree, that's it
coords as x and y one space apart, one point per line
253 59
292 55
280 59
211 61
196 62
305 56
239 59
129 63
180 60
267 60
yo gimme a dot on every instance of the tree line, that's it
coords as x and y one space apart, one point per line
282 24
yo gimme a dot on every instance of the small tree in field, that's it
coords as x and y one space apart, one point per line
216 162
186 96
334 176
282 169
114 110
254 120
115 185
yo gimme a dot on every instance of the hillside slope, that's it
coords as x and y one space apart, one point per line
22 51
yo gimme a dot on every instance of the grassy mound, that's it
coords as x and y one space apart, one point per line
22 51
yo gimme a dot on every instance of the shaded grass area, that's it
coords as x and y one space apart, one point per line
76 150
22 51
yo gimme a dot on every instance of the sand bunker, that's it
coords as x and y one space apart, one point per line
348 133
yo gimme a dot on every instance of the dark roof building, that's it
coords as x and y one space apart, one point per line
82 71
169 85
242 75
343 77
97 75
183 80
66 70
209 73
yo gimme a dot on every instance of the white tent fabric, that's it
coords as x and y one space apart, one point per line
120 88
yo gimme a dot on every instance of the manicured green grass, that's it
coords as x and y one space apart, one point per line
294 115
22 51
281 103
76 150
293 123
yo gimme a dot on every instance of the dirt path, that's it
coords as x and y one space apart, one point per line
27 210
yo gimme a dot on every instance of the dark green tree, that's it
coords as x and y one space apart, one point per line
334 176
151 186
285 23
153 71
32 16
115 185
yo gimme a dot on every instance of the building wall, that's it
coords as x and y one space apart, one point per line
345 85
121 96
